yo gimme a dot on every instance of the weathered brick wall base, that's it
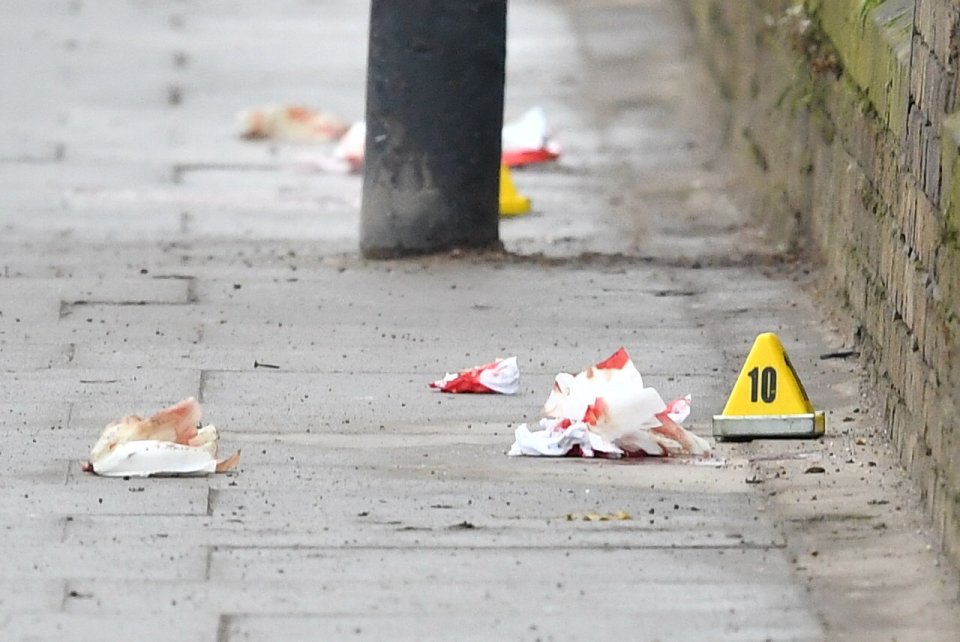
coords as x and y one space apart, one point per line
845 110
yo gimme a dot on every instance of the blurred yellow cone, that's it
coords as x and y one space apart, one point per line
512 203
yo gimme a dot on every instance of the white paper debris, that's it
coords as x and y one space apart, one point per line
528 140
501 376
168 443
525 141
290 123
347 156
607 409
150 457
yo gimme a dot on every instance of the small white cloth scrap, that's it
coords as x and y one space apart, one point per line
527 140
606 411
501 376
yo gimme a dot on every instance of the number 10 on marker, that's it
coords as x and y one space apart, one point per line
763 385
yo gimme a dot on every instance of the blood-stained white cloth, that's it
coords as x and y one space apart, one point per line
501 376
557 438
610 402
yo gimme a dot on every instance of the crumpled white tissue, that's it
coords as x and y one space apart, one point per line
606 409
169 443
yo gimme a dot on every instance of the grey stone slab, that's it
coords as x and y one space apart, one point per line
42 527
29 460
362 522
107 325
98 224
330 221
23 357
425 291
25 416
356 401
78 493
31 596
89 628
122 387
453 347
567 565
362 402
662 360
101 559
790 623
23 303
283 598
133 320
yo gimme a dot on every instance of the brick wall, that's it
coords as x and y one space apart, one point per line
846 111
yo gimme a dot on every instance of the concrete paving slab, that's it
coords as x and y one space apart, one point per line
675 624
146 627
31 596
123 388
24 356
80 493
92 560
289 596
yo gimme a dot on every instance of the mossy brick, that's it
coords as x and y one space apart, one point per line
920 309
936 339
947 271
917 370
905 209
873 41
950 168
926 233
932 413
887 257
938 23
929 81
856 284
951 535
912 291
861 134
893 348
927 341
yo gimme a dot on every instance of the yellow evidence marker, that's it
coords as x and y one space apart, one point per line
512 203
768 399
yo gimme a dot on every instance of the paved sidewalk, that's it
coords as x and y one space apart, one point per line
148 254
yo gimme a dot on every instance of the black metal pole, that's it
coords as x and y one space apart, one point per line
435 76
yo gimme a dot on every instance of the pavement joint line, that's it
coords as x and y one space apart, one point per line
133 516
67 307
65 596
613 548
192 296
70 408
179 170
69 472
202 385
64 531
223 626
208 563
